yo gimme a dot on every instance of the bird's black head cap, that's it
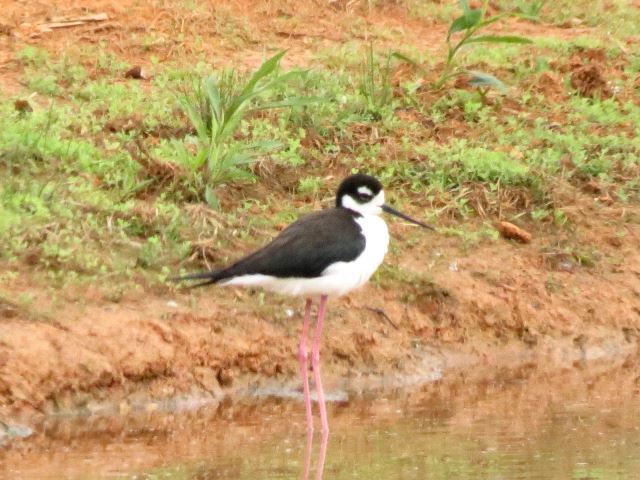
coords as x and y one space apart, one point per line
353 186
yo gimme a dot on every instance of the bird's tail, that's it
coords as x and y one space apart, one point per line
209 278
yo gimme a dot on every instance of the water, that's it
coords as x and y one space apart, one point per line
528 423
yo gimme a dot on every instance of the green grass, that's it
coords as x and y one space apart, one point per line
98 180
613 16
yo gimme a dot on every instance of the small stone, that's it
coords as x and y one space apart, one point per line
137 73
225 378
22 106
513 232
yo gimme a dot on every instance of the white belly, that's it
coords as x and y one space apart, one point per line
337 279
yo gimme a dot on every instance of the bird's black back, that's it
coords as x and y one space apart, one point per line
305 248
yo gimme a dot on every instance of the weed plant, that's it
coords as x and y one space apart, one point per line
468 26
216 107
375 84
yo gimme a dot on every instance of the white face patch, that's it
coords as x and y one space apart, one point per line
372 207
365 191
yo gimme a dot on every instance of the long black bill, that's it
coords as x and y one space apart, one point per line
393 211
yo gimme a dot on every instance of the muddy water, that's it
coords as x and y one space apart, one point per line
532 422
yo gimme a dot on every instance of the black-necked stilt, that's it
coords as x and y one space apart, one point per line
326 253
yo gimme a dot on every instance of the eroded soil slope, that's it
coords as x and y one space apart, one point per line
458 297
495 302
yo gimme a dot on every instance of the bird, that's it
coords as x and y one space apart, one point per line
324 254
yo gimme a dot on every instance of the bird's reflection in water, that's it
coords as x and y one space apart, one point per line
322 454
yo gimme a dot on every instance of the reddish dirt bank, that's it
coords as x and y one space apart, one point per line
493 302
573 292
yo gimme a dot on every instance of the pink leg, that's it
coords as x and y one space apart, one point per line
315 362
322 455
307 455
304 369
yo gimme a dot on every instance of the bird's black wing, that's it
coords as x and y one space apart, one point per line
306 247
303 249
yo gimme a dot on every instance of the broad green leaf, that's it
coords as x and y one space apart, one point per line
499 39
249 90
466 21
482 79
270 85
265 69
243 99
